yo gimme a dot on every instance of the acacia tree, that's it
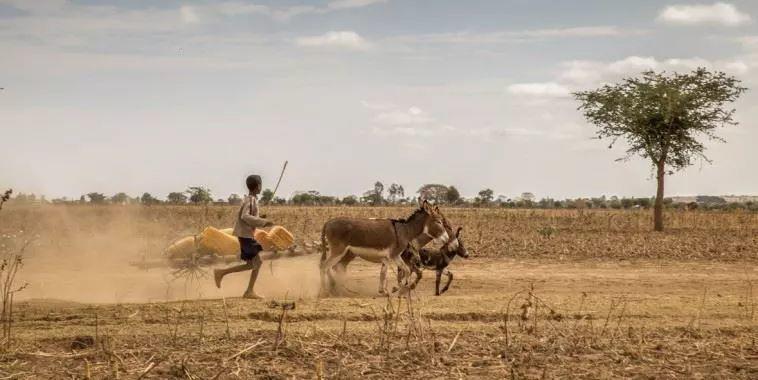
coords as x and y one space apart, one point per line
379 191
199 194
485 197
374 196
396 192
176 198
120 198
234 199
96 198
663 117
453 195
148 199
267 196
434 192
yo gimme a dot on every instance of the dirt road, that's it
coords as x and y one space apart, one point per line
588 319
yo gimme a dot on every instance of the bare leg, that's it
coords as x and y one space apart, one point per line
256 266
218 274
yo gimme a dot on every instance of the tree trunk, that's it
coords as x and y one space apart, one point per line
658 208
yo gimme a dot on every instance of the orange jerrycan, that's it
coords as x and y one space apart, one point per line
218 242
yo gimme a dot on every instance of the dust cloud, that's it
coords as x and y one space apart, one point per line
87 255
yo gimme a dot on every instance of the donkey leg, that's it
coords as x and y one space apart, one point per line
438 274
340 269
449 280
383 279
327 279
403 271
418 272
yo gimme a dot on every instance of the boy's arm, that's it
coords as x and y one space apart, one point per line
252 220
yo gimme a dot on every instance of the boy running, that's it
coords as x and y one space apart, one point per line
244 227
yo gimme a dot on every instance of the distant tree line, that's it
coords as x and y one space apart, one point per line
394 194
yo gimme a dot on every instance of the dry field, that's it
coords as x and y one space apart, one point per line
547 294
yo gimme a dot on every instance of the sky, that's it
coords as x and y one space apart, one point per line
155 96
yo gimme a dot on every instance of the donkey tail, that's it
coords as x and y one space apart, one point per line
323 244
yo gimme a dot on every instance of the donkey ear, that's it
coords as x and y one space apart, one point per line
458 232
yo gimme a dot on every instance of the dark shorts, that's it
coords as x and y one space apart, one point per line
249 248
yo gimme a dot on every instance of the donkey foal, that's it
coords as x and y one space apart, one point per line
435 259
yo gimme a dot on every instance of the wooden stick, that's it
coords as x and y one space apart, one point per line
250 347
452 344
57 356
147 370
280 179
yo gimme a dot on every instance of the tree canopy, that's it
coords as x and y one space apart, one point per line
267 196
96 198
120 198
199 194
663 117
176 198
148 199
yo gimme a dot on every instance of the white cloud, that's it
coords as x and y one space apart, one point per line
335 39
546 89
404 130
412 121
345 4
216 12
496 37
36 7
591 73
748 42
377 106
737 67
232 8
554 133
286 14
582 31
211 11
412 116
579 75
189 14
717 13
633 64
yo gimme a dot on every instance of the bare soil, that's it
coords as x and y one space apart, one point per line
532 318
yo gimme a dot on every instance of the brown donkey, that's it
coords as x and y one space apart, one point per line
416 244
436 260
381 240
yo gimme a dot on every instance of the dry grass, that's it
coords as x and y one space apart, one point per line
530 304
555 234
